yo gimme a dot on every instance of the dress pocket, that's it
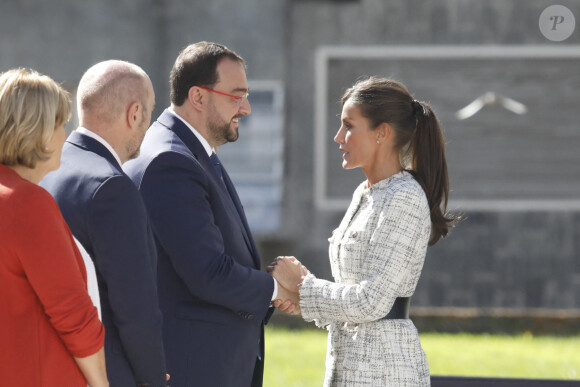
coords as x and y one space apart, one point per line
352 251
354 237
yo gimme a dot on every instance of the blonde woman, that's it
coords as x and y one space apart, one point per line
50 333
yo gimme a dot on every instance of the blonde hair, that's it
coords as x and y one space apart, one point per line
32 106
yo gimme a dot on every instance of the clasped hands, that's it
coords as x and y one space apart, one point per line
289 273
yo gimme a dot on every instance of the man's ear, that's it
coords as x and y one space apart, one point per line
134 113
195 98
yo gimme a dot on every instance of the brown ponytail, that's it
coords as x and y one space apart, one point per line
418 138
429 167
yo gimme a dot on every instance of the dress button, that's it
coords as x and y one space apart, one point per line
354 234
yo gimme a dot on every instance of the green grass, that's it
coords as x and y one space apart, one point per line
295 358
503 356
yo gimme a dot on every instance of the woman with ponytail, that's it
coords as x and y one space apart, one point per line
378 250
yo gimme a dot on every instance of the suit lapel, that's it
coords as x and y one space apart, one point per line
242 216
230 197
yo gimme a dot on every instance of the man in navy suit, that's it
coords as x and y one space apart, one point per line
105 212
214 298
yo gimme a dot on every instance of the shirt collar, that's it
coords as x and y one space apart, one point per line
201 139
95 136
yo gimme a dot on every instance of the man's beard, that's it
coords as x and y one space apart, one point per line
134 146
135 154
133 149
220 129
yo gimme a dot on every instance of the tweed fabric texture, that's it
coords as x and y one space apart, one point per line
376 255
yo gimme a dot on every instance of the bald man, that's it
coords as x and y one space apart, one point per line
106 214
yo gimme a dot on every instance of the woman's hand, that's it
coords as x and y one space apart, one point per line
289 272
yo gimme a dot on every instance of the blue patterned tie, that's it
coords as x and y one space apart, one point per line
216 164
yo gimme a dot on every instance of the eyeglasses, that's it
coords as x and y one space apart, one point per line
239 99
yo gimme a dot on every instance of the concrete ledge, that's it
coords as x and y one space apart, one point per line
560 322
554 322
452 381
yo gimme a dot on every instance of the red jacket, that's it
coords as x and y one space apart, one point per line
46 315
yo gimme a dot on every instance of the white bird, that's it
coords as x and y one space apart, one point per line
490 99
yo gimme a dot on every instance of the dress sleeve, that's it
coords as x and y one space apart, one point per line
54 268
392 264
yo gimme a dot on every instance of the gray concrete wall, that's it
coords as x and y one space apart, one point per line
494 258
63 38
505 260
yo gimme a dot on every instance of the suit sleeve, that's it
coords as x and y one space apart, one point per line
124 252
53 267
178 197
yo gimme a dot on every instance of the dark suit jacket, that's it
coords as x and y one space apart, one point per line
213 296
106 214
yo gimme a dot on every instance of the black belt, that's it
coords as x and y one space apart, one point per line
400 309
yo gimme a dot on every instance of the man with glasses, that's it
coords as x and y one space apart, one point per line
214 298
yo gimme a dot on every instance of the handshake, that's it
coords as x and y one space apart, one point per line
289 273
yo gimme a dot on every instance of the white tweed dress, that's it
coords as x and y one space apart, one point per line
376 255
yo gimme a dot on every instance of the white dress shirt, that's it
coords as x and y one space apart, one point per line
95 136
92 284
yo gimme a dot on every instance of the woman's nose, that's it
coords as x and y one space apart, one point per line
338 138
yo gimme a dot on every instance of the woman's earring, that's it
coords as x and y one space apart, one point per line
378 141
